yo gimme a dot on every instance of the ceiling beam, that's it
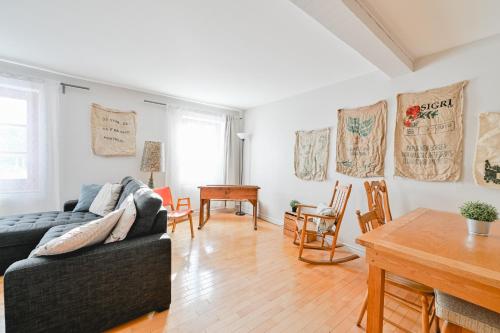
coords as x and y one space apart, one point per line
353 22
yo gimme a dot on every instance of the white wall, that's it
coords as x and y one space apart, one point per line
270 158
78 165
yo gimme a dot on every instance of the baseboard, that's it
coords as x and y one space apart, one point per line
218 209
266 218
359 250
355 248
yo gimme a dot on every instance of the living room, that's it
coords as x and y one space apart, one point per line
250 166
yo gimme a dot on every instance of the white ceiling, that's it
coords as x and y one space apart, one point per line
240 53
424 27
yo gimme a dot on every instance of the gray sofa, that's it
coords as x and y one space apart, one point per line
91 289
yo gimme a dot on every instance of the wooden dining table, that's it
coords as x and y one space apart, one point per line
432 247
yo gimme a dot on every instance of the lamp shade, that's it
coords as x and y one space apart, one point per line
243 135
152 157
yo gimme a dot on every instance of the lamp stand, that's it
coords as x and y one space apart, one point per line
150 183
240 212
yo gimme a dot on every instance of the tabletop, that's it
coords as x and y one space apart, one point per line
440 239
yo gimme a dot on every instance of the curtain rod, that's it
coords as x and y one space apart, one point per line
164 104
153 102
64 85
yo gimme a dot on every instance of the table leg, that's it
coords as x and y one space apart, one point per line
376 283
254 204
202 213
208 209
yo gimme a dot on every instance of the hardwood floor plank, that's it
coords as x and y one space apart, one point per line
230 278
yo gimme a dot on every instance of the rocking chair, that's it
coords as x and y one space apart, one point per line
307 223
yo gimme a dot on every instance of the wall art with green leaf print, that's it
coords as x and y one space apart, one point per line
361 140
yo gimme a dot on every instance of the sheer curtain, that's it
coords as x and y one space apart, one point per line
195 151
29 117
232 149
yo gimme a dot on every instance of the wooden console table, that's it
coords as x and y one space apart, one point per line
227 192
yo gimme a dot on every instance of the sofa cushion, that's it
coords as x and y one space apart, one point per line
30 228
55 232
105 201
147 204
129 186
87 234
125 222
87 196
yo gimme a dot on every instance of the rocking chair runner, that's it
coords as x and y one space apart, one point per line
306 224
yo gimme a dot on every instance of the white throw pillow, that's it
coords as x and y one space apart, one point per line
325 210
86 235
125 222
105 201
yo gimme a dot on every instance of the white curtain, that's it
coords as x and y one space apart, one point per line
29 117
194 151
232 149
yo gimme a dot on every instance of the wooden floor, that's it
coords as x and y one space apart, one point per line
231 278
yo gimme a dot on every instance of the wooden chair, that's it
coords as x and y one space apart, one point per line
378 199
368 222
460 316
181 212
305 225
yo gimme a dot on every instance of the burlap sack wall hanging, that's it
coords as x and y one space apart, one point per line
428 136
487 159
361 140
311 154
113 131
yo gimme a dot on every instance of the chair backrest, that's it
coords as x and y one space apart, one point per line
378 199
339 201
368 221
166 195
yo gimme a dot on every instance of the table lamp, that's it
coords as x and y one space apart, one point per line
152 159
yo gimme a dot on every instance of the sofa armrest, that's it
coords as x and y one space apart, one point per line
70 205
89 290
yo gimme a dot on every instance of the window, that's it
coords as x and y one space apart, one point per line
195 150
18 139
200 141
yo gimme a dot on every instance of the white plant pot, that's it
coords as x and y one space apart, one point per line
479 228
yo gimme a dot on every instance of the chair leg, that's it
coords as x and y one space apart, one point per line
438 328
425 314
362 310
334 246
302 241
191 225
173 225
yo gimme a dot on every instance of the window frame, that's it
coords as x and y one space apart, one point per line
32 182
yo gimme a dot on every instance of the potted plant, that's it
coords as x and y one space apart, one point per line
479 216
294 204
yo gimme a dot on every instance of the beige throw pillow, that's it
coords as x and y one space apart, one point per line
86 235
125 222
105 201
